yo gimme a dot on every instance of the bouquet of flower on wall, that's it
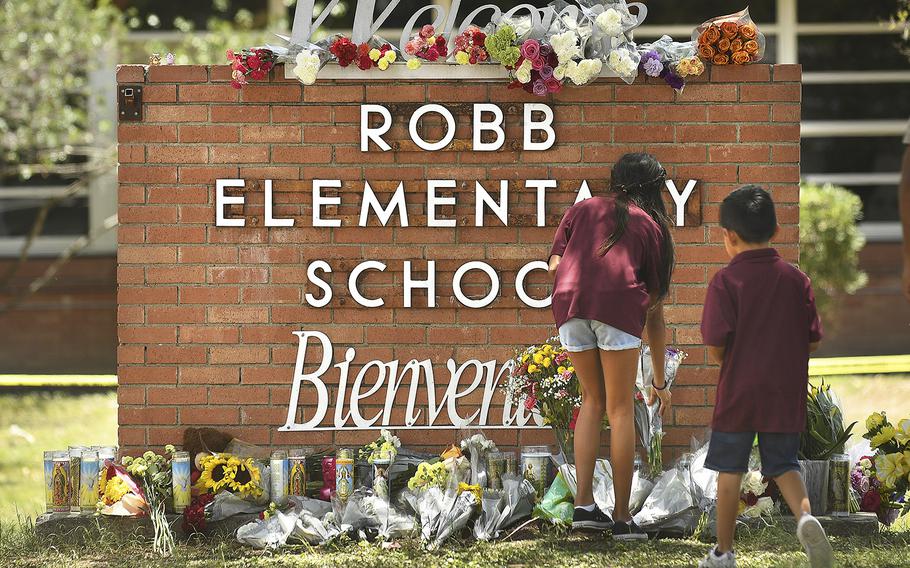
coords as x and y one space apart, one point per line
254 63
469 46
890 464
544 380
732 39
428 45
373 53
671 61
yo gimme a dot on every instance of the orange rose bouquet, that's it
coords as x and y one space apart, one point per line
732 39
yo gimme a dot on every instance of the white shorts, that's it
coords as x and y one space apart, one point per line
584 334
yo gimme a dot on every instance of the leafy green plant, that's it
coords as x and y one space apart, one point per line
830 241
825 434
49 50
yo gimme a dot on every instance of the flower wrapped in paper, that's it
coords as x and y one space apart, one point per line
732 39
648 420
120 495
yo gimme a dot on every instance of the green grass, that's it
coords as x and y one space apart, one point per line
56 420
32 422
769 547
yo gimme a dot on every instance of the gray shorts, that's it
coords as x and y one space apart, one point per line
584 334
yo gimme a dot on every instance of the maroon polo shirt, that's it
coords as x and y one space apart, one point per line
762 310
613 288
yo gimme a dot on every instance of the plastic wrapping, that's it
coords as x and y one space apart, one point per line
478 446
307 520
603 486
503 508
648 421
556 505
732 39
623 59
610 24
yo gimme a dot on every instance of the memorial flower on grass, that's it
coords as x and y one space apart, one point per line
883 479
384 448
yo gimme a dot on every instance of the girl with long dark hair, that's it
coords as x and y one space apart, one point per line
612 260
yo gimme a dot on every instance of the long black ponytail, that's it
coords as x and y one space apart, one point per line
638 178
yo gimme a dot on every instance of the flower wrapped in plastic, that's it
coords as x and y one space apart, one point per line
732 39
663 58
648 420
610 21
623 59
303 521
384 448
477 448
428 45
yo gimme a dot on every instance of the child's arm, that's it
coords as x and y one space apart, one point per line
656 326
554 262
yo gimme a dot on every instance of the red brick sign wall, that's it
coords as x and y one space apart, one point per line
206 313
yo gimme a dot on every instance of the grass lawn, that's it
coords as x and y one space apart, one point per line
32 421
769 547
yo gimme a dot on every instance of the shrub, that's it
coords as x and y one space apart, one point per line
830 241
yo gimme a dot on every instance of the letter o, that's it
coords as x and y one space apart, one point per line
520 285
450 122
494 281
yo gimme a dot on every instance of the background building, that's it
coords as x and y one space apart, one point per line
856 103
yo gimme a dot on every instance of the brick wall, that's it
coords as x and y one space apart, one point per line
206 313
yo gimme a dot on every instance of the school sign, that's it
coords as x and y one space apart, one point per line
301 264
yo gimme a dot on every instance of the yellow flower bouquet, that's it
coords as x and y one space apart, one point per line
890 462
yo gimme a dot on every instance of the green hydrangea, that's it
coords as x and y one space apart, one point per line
501 46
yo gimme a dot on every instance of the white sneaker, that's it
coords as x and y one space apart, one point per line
813 538
712 560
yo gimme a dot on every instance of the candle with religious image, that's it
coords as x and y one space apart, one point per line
60 476
88 483
49 481
297 478
75 477
278 471
344 473
534 463
180 480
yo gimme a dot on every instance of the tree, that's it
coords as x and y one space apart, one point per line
49 48
830 241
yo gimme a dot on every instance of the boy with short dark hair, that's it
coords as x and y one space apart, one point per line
760 324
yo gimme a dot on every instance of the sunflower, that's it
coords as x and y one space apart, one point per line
214 476
243 476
